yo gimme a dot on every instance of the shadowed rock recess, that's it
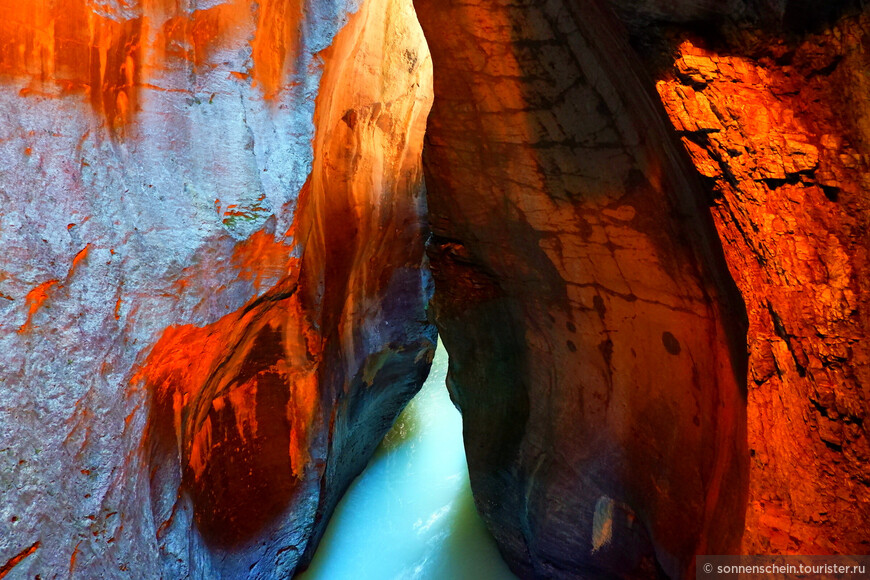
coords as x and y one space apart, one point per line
647 228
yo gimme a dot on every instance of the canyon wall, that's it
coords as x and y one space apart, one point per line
778 123
648 236
581 290
213 301
596 339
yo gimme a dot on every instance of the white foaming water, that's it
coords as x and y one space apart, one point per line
410 514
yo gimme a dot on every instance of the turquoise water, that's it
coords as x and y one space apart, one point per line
410 514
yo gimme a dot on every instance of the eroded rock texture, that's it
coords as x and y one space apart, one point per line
597 350
565 215
780 125
213 303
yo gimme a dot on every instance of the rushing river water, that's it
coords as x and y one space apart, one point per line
410 514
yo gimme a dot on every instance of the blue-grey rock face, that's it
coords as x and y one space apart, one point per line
154 156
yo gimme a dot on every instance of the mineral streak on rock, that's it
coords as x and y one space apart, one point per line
597 349
17 558
199 353
781 128
108 52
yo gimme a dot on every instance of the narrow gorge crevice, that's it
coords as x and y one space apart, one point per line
643 239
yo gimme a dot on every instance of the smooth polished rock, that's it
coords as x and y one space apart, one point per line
596 339
212 288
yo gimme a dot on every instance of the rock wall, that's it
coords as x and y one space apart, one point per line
779 124
213 302
213 287
556 194
596 340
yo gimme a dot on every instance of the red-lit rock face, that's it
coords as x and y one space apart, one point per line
779 130
200 352
596 345
109 53
285 400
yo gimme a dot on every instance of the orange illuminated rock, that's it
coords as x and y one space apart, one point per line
539 114
108 54
781 129
66 47
595 336
34 299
